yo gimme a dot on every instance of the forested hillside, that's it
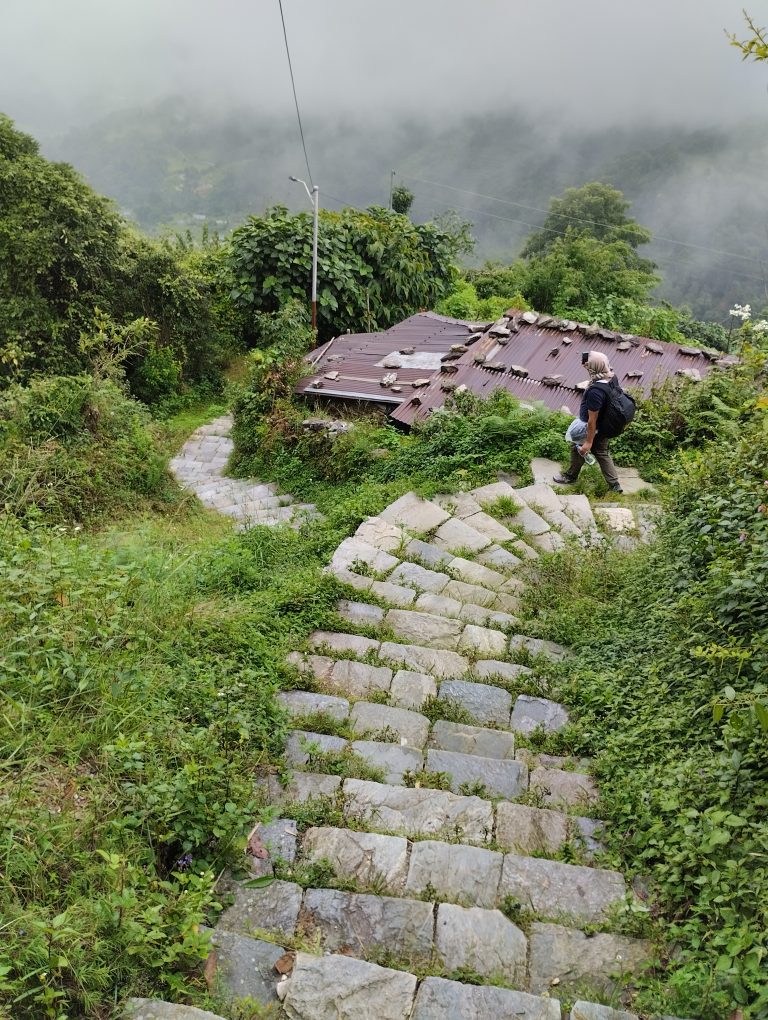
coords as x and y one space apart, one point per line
183 164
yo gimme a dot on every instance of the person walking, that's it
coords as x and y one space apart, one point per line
591 431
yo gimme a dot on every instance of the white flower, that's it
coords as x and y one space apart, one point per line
742 312
761 326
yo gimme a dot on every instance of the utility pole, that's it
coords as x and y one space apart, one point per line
314 197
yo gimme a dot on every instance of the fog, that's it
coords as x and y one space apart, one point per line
595 62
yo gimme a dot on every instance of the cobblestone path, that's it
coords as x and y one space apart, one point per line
200 465
459 876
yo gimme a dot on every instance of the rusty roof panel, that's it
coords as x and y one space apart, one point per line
517 353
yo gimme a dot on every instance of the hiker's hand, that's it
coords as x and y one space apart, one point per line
585 448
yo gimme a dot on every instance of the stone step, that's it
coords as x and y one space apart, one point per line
158 1009
461 872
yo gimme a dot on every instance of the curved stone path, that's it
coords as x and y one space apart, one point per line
428 862
199 467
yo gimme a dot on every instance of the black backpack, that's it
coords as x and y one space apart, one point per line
617 412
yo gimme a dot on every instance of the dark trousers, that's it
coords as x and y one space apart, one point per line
603 458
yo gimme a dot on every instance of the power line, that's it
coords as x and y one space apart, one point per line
578 219
295 97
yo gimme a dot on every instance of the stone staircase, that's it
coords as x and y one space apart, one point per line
199 468
426 861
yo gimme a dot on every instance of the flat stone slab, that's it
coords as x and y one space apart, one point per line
526 830
551 542
427 553
553 889
458 504
318 666
579 509
157 1009
617 518
438 662
429 630
381 534
365 857
483 941
474 573
544 470
369 719
450 736
336 642
308 703
358 679
352 553
499 777
414 576
300 745
531 714
438 999
278 840
245 966
415 514
538 646
360 613
568 956
358 922
482 641
455 536
560 787
530 522
274 909
499 559
410 689
394 594
418 812
304 786
486 704
467 874
343 988
392 758
486 494
472 593
593 1011
490 527
539 496
506 670
439 605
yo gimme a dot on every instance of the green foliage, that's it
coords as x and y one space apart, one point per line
67 261
402 199
703 334
577 268
464 303
374 267
755 46
669 684
595 209
627 315
74 448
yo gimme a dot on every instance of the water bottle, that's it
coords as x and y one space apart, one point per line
589 457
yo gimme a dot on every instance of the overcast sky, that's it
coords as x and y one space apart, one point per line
601 61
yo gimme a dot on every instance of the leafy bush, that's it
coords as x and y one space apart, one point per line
374 267
670 688
76 449
463 303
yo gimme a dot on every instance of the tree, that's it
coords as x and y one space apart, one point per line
402 199
594 210
375 267
755 46
578 269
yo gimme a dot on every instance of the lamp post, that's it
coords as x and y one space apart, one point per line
314 197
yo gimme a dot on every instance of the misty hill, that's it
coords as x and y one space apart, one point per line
177 164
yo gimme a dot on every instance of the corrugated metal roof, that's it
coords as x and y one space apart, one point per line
533 357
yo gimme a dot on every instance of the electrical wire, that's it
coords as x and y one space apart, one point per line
295 97
578 219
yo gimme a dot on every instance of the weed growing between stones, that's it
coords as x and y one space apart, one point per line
427 780
435 709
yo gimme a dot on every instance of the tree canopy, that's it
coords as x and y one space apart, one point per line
594 210
375 267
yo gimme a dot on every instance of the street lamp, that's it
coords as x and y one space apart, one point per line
314 197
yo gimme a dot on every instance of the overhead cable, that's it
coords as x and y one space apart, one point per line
295 97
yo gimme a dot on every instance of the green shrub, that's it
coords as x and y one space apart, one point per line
76 449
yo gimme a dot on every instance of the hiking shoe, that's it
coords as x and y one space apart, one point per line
616 488
563 480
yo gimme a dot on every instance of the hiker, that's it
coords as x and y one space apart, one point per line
604 413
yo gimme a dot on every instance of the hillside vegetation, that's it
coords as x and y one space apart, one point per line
144 642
